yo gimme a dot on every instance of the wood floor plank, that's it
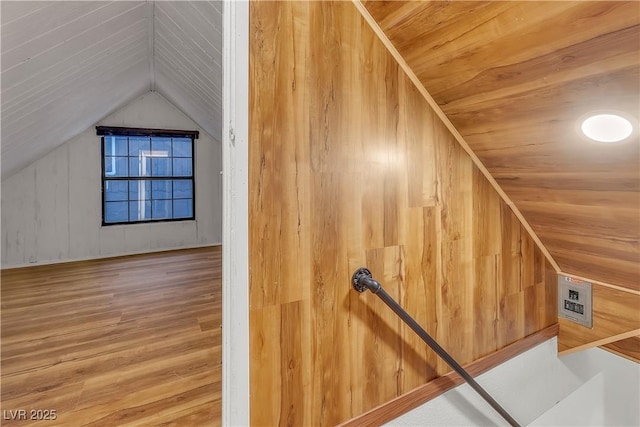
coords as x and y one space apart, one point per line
122 341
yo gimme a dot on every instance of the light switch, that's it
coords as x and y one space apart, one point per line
574 300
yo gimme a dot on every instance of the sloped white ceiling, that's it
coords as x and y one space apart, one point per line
188 59
65 65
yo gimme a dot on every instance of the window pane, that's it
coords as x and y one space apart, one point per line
182 147
115 145
182 189
140 210
115 166
140 166
161 189
115 212
115 190
138 145
161 147
160 166
147 178
161 209
183 208
182 167
139 190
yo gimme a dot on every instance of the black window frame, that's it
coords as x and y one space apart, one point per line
104 131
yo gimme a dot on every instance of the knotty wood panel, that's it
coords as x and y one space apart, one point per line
514 78
122 341
350 167
616 315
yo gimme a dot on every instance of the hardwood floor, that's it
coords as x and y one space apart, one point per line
123 341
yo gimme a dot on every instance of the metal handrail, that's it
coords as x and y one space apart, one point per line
363 279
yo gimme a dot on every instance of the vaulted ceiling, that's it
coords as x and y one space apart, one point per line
67 64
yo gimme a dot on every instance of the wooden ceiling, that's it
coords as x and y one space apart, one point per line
514 78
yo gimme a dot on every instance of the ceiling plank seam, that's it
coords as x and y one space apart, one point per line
152 44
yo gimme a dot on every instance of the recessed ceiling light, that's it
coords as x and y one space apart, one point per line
606 128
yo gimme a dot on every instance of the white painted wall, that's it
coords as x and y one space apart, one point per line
51 210
610 397
594 387
583 407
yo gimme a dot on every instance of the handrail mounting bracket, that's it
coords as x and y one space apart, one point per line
357 282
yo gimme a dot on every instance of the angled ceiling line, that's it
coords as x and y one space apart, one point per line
601 342
127 50
117 16
598 282
445 120
461 140
152 44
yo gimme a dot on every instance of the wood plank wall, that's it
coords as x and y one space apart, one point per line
350 167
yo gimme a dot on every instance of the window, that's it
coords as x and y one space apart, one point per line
147 175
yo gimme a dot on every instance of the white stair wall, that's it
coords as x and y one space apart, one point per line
611 397
583 407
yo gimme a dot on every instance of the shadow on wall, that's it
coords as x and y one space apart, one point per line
360 307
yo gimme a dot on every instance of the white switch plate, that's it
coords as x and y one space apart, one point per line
574 300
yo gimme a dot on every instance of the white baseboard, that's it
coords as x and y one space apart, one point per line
89 258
